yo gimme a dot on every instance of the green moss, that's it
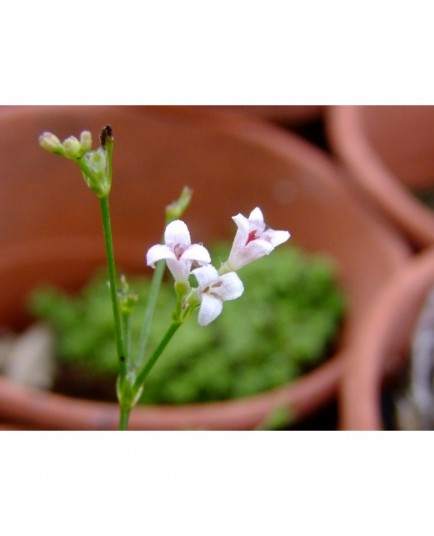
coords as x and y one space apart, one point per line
284 324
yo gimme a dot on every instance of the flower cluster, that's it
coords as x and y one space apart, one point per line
253 240
94 165
71 147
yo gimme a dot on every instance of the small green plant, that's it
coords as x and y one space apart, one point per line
270 336
198 285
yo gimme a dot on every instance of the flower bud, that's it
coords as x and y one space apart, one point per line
51 143
72 148
93 166
177 208
97 161
85 141
127 299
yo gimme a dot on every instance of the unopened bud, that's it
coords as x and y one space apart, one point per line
72 147
177 208
97 161
127 299
93 166
51 143
85 141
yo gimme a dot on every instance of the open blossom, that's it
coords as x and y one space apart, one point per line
178 251
253 240
213 290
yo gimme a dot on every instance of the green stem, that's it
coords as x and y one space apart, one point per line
126 318
120 344
157 352
149 312
125 414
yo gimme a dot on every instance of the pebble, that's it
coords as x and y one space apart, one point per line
29 358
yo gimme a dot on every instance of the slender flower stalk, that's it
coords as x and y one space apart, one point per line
108 239
125 415
156 281
141 376
96 168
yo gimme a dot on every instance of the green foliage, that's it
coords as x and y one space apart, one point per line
284 324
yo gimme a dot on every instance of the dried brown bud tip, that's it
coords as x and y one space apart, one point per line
106 134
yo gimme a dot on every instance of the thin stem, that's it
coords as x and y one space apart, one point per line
157 352
149 312
108 239
125 414
126 318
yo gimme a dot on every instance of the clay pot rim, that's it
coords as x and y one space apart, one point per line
372 176
373 356
292 114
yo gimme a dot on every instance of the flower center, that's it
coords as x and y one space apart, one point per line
252 236
178 250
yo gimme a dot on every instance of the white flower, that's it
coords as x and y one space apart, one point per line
253 240
213 290
178 251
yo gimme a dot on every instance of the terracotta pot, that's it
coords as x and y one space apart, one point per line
233 165
288 115
388 151
382 344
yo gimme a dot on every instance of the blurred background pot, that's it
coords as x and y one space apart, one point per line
388 152
291 116
382 346
233 163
